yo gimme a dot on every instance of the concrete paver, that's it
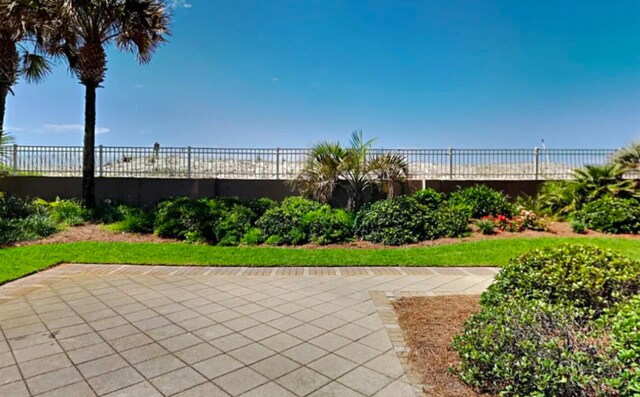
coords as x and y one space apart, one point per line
91 330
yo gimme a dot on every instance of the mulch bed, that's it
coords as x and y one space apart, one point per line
429 325
95 233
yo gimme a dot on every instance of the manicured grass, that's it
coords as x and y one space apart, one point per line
21 261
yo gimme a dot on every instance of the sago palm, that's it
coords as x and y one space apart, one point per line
22 24
329 166
85 28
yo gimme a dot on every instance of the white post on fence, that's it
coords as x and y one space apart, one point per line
536 156
450 163
100 161
15 159
277 163
189 162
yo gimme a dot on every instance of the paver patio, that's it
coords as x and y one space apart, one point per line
87 330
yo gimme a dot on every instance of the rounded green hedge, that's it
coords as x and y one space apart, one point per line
611 215
584 276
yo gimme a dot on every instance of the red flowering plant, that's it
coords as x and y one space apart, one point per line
526 220
503 223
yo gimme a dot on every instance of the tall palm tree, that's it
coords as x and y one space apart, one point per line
330 166
85 28
22 23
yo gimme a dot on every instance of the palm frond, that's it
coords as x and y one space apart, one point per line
6 141
390 169
329 166
629 156
35 68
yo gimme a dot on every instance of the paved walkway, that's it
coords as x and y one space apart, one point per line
85 330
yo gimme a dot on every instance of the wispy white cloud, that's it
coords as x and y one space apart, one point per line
11 128
61 128
173 4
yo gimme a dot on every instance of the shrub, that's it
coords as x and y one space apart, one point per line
452 221
611 215
234 223
587 277
107 212
625 341
66 212
32 227
486 226
13 207
328 226
134 220
396 221
286 221
260 206
252 237
578 226
273 240
531 348
429 198
189 219
483 201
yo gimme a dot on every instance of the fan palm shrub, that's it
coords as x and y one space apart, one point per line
330 166
84 29
22 24
629 156
589 184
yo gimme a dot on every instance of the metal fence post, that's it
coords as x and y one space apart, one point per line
189 162
450 163
15 159
100 161
277 163
536 156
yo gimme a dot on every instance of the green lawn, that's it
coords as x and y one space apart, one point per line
18 262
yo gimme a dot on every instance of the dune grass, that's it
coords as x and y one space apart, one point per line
21 261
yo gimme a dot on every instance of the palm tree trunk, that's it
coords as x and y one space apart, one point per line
88 155
4 91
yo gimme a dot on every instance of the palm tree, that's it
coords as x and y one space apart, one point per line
588 184
22 23
628 156
595 181
85 28
330 166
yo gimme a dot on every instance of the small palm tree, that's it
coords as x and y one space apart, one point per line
330 166
588 184
595 181
629 156
84 29
22 22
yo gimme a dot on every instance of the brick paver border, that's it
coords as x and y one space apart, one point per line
35 281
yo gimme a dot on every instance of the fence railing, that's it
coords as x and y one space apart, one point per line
277 163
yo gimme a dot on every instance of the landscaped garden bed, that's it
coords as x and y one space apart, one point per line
563 321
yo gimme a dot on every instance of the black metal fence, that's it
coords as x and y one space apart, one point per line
277 163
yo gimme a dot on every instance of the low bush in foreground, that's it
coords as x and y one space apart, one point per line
561 321
530 348
586 277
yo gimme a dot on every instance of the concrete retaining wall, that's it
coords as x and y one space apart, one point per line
140 191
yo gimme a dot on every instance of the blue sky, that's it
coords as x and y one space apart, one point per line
416 74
